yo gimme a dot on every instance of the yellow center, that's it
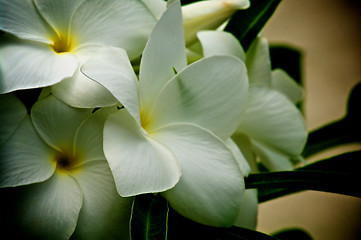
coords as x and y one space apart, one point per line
66 161
62 45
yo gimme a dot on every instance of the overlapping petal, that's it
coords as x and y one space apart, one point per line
163 55
211 184
25 158
258 63
282 82
272 119
197 95
50 210
111 68
139 163
57 13
21 18
247 217
220 43
26 64
104 214
12 112
57 122
208 15
119 23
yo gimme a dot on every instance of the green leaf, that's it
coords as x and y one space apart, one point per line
337 175
246 24
292 234
149 219
183 228
346 130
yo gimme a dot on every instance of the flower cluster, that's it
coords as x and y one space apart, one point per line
137 97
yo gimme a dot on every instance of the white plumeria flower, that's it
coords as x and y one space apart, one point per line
170 137
56 162
274 126
47 41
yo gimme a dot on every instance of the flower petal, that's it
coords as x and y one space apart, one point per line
139 164
258 63
211 185
282 82
50 210
81 92
111 68
26 64
271 158
157 7
21 18
88 141
163 54
57 122
220 43
12 112
25 158
211 93
270 118
247 217
242 162
104 214
119 23
208 15
57 13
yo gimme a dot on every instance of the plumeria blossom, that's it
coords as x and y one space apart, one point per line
170 136
271 123
64 187
47 41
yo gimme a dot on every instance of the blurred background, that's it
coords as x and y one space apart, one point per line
329 35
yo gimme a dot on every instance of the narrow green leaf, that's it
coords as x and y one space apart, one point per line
183 228
246 24
336 175
346 130
149 219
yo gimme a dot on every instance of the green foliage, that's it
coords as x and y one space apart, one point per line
292 234
149 219
344 131
337 175
246 24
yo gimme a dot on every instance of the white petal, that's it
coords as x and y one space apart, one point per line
81 92
57 13
282 82
12 112
139 164
211 185
208 15
21 18
25 158
258 63
248 213
242 162
104 214
270 118
272 158
245 146
157 7
119 23
163 54
26 64
50 210
88 141
57 122
111 68
220 43
211 93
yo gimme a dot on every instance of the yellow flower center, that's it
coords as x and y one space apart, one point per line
63 45
66 161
